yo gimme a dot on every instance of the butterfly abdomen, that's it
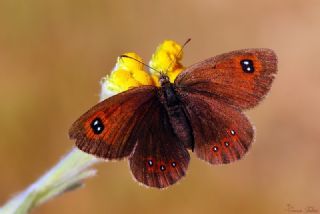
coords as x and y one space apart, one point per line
177 117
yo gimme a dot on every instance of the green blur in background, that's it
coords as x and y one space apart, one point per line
54 53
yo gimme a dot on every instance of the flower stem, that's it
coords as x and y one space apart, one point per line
67 175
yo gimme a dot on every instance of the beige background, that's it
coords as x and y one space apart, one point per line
53 54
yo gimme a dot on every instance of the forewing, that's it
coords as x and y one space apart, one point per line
222 133
240 78
108 130
159 158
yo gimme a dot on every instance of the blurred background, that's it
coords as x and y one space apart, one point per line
54 53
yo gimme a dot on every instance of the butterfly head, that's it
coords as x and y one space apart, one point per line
163 79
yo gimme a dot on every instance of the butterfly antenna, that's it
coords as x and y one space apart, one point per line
148 66
179 53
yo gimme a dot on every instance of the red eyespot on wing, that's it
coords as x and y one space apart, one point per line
94 127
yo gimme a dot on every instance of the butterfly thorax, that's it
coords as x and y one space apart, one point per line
177 116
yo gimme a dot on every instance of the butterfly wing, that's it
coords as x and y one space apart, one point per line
108 130
222 134
240 78
159 158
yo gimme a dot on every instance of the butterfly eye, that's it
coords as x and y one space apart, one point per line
97 126
232 132
247 65
173 164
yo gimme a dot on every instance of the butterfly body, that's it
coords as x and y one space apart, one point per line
154 127
177 116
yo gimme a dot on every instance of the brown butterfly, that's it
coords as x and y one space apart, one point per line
201 111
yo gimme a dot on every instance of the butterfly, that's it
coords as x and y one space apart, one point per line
201 112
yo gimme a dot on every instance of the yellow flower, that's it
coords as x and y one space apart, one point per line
129 73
